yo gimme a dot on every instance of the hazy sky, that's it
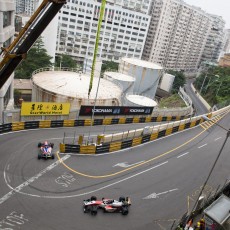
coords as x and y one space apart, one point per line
217 7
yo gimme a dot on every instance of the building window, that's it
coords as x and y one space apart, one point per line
72 20
6 18
7 43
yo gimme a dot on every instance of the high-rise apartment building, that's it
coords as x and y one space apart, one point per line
26 6
226 42
7 11
177 35
24 10
214 43
123 31
136 5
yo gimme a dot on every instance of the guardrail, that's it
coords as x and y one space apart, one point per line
110 143
131 138
16 126
14 115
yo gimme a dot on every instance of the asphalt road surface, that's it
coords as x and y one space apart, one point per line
163 179
198 105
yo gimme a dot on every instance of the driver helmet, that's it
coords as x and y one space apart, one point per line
46 144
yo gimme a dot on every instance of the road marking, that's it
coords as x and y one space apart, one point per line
218 138
8 178
182 155
126 165
134 166
30 180
8 167
96 190
156 195
161 227
137 165
202 146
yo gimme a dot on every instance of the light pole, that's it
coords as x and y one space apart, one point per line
219 88
214 164
209 81
203 83
94 105
60 61
209 64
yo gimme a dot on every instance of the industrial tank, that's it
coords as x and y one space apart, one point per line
139 100
126 81
72 87
167 82
147 75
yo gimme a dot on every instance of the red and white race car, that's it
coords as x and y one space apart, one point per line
108 205
45 150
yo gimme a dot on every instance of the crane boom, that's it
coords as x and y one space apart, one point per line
18 49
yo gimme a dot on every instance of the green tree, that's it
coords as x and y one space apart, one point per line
179 80
65 61
109 66
37 57
216 85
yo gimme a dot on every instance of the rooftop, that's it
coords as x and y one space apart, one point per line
142 63
120 76
219 210
141 100
74 84
22 84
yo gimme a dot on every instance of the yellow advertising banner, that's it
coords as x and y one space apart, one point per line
44 108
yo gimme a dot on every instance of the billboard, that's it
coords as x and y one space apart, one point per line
114 110
44 108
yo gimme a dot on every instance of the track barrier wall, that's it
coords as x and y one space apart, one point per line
131 138
16 126
110 143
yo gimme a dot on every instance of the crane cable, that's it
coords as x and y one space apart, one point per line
96 45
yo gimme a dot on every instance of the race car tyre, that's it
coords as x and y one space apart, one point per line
39 156
52 145
39 145
124 211
84 209
122 199
53 156
94 210
93 198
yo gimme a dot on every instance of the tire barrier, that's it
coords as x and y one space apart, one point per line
116 142
118 145
16 126
58 123
5 128
133 138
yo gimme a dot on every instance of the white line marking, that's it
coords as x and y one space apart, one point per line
126 165
29 181
96 190
8 178
182 155
202 146
218 138
156 195
8 167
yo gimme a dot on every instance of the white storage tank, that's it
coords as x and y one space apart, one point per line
126 81
139 100
167 82
72 87
147 75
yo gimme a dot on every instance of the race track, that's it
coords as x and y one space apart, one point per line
157 176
